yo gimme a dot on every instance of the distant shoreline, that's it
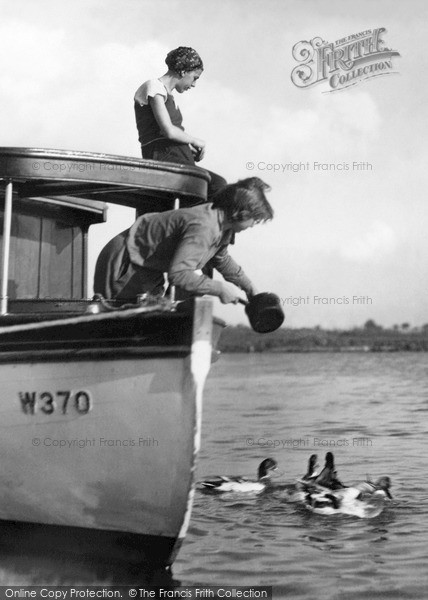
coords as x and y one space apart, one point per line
370 338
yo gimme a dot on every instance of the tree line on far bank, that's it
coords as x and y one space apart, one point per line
369 338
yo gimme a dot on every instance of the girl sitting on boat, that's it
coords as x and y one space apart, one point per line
159 120
180 242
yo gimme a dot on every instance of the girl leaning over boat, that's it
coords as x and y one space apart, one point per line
181 242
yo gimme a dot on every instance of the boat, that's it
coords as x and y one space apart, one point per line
100 405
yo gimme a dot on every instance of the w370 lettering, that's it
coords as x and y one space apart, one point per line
63 402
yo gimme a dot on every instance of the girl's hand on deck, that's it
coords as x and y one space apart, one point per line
198 149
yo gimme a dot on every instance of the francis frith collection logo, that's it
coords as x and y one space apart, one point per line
342 63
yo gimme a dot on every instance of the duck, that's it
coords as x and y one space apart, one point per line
221 483
347 501
364 500
328 476
311 473
379 488
296 492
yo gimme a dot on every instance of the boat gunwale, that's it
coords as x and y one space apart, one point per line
93 354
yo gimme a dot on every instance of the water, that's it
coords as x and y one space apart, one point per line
371 410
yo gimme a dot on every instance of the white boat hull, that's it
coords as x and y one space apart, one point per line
124 465
106 443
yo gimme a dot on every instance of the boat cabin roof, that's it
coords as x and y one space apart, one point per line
146 185
51 197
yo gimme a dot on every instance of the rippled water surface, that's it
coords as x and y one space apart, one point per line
372 410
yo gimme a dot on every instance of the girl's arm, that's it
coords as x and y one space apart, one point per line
231 271
169 130
190 255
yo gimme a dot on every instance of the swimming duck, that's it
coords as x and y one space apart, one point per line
364 500
297 492
221 483
311 474
380 488
346 501
328 476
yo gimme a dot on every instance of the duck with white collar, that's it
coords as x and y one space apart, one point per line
237 484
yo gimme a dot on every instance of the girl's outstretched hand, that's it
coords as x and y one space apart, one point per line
229 294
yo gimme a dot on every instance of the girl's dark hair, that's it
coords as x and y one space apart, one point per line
244 200
183 60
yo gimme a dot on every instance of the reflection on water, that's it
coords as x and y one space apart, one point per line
368 408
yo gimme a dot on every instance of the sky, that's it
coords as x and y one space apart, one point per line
346 245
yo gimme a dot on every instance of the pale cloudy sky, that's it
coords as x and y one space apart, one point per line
69 71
